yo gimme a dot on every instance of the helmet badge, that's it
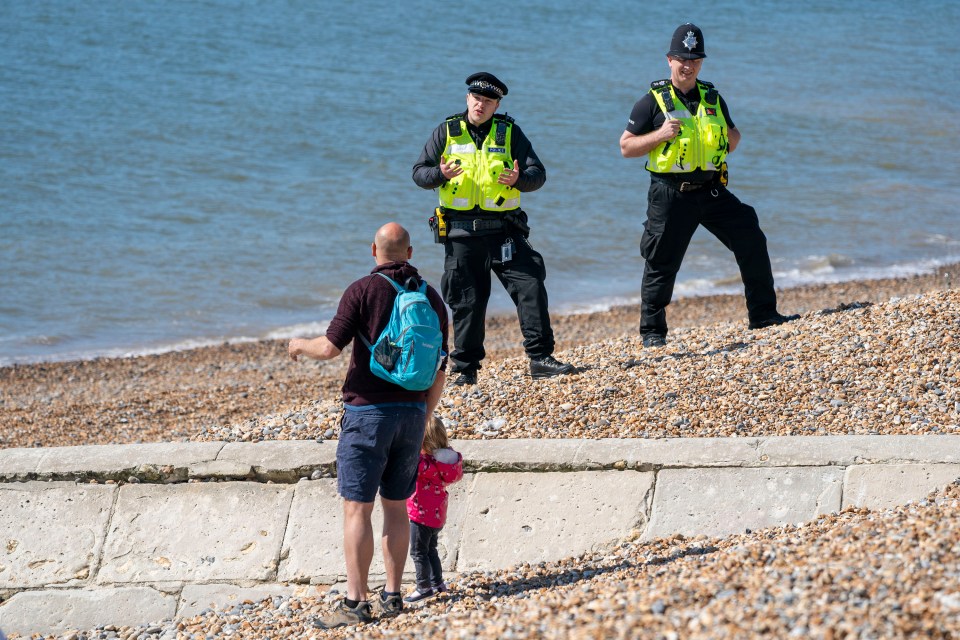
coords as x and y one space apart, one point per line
690 42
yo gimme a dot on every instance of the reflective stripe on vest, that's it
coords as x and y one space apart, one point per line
477 186
702 142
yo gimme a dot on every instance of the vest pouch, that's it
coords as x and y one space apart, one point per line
662 161
712 135
672 156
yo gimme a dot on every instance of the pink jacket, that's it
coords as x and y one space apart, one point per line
428 504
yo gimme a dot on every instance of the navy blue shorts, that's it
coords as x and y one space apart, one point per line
379 448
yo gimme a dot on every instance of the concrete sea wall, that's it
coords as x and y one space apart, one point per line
129 534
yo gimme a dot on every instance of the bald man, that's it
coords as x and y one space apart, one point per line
381 430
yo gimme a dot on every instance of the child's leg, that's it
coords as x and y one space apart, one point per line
419 553
436 568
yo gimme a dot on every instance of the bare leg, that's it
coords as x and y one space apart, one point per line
396 539
358 546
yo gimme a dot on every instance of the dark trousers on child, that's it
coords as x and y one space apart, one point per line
426 559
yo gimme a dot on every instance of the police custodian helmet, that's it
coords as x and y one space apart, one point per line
687 42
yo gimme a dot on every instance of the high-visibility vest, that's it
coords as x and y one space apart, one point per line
477 186
703 140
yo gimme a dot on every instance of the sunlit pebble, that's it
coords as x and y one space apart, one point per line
887 368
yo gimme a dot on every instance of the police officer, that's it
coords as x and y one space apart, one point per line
481 162
684 129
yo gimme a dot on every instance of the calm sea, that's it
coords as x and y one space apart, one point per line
186 172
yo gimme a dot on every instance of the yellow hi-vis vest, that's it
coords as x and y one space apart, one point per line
702 142
477 186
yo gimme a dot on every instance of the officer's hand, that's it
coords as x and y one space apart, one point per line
670 128
509 177
450 169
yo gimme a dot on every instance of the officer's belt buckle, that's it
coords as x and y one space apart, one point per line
690 186
480 224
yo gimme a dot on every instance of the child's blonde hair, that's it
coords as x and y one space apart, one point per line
435 436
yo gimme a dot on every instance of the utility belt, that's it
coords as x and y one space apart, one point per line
443 222
684 185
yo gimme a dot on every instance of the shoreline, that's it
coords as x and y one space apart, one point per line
194 394
284 333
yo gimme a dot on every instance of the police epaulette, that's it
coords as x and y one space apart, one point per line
659 84
456 116
505 117
705 83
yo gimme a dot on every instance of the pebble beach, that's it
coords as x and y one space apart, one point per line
866 357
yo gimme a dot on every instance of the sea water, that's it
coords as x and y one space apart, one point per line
182 173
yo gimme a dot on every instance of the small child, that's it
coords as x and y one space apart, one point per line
427 507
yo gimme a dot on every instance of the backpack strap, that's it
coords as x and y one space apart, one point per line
396 285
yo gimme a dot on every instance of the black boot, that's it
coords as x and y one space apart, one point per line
773 320
653 341
465 377
548 366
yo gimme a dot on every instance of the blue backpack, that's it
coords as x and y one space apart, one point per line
409 351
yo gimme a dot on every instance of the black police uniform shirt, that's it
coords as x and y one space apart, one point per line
427 174
648 116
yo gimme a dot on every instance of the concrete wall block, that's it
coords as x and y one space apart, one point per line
52 532
538 517
19 464
282 461
725 501
644 454
881 486
49 612
196 598
313 545
313 548
448 542
528 454
117 460
843 451
196 532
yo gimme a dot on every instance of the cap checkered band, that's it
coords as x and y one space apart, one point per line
483 85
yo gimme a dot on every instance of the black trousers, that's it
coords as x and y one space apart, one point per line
466 289
426 558
672 218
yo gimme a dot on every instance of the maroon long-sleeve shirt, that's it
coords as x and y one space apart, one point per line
365 310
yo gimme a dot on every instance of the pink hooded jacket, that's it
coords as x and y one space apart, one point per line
428 504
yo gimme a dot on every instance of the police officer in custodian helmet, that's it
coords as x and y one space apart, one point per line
684 130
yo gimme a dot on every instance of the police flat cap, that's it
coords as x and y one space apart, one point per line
486 84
